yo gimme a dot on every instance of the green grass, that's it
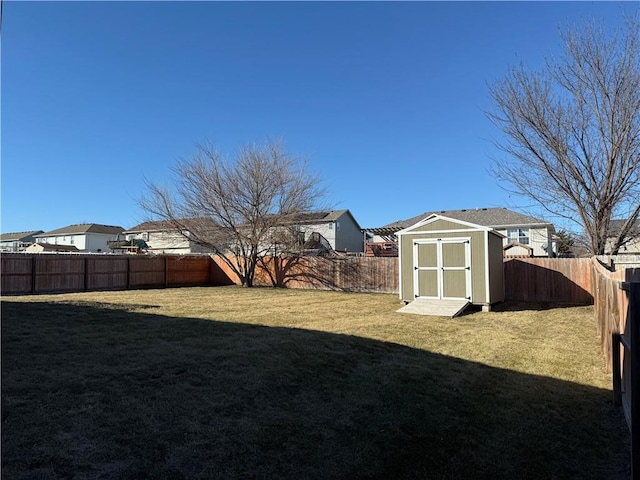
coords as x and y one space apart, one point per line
236 383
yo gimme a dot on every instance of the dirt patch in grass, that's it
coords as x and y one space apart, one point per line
262 383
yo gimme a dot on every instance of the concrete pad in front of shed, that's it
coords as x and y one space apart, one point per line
440 308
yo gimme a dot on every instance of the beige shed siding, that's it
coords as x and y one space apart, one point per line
496 269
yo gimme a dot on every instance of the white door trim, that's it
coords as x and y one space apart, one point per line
440 268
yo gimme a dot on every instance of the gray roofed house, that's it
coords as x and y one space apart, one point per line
17 241
336 229
86 237
519 229
161 236
632 242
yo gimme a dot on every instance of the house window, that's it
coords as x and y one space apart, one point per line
72 240
520 235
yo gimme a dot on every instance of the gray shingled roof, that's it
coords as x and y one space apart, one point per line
486 217
83 228
17 236
616 225
323 216
302 218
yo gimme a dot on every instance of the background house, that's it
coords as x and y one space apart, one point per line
338 227
162 237
86 237
632 243
528 233
17 241
329 230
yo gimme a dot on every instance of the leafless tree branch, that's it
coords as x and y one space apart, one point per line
572 132
238 207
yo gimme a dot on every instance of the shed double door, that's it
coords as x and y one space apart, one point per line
442 268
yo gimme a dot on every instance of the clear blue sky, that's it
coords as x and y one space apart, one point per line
387 99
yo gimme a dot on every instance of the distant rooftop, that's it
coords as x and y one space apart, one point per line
83 228
18 236
486 217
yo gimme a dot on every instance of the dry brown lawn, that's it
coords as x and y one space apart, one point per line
230 383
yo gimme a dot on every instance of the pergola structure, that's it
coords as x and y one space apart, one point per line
386 248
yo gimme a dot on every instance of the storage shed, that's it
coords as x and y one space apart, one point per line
445 259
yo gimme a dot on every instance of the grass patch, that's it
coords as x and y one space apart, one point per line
265 383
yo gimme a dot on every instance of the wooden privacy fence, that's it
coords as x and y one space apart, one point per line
617 309
49 273
564 280
354 274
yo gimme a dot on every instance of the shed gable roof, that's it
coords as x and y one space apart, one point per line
435 217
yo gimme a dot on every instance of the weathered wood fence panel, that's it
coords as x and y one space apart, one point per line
50 273
532 279
356 274
147 272
106 273
54 273
610 305
187 271
16 274
565 280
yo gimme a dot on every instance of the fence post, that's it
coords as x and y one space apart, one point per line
86 273
616 367
128 273
166 272
33 273
633 318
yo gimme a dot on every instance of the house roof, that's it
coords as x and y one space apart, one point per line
616 225
322 217
300 218
487 217
83 228
151 226
50 247
165 225
17 236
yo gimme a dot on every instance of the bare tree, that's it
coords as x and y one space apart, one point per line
241 208
572 132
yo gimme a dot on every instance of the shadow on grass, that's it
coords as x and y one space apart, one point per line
93 392
521 306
